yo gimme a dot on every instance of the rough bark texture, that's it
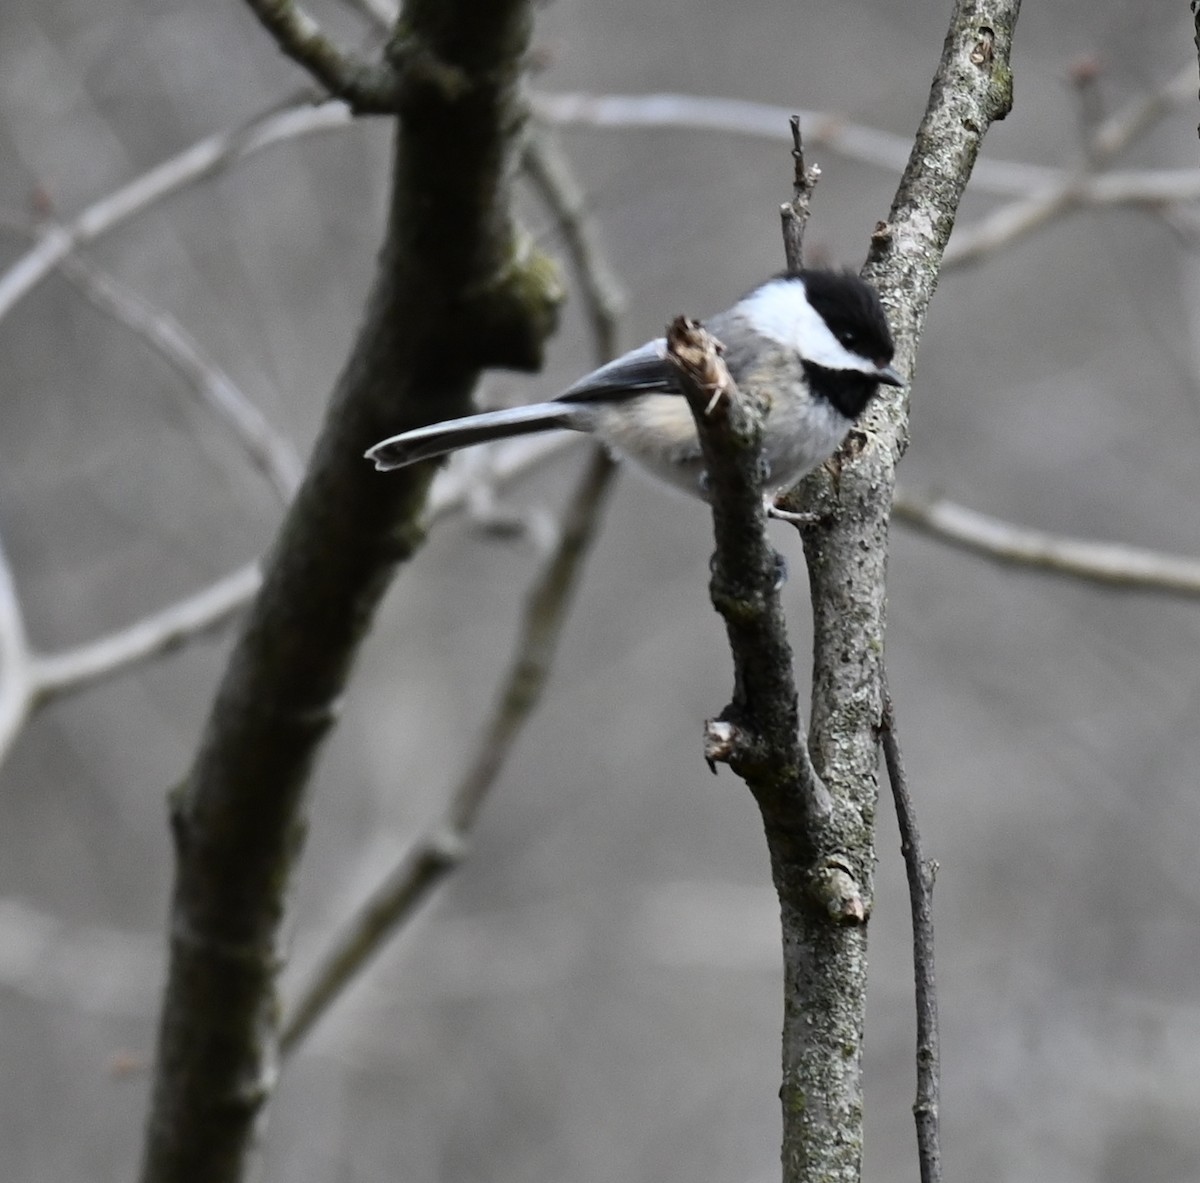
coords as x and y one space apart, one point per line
824 961
458 290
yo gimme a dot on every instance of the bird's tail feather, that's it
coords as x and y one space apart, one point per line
424 443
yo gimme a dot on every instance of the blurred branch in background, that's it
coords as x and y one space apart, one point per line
459 289
411 882
202 159
1097 562
920 874
368 87
266 448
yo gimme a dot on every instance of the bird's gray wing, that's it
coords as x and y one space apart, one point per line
646 370
641 371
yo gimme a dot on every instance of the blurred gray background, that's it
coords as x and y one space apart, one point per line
595 997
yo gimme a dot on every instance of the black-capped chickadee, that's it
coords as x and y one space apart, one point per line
813 344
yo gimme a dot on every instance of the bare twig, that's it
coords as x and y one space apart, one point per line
822 129
921 874
794 213
15 677
1041 193
549 172
267 448
413 879
410 883
29 680
203 159
368 87
759 733
1087 187
1098 562
152 636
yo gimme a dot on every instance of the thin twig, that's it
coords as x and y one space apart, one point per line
15 678
794 214
410 883
202 159
1041 193
822 129
413 879
549 172
29 680
1087 186
921 874
152 636
267 448
1098 562
368 87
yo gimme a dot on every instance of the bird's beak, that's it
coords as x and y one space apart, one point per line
889 375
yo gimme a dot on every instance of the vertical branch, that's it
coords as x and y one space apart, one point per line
794 214
825 962
921 874
459 289
412 881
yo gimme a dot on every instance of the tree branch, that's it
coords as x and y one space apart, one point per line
921 874
201 159
1087 186
822 129
822 895
459 289
389 907
795 213
550 174
825 963
1098 562
269 450
370 88
155 634
412 881
15 675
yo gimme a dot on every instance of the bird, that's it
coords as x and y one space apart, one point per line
814 345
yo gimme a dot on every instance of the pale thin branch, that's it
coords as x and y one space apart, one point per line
29 680
921 874
202 159
822 129
368 87
15 675
550 173
1087 186
413 879
267 448
410 883
152 636
1120 129
1041 193
1097 562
